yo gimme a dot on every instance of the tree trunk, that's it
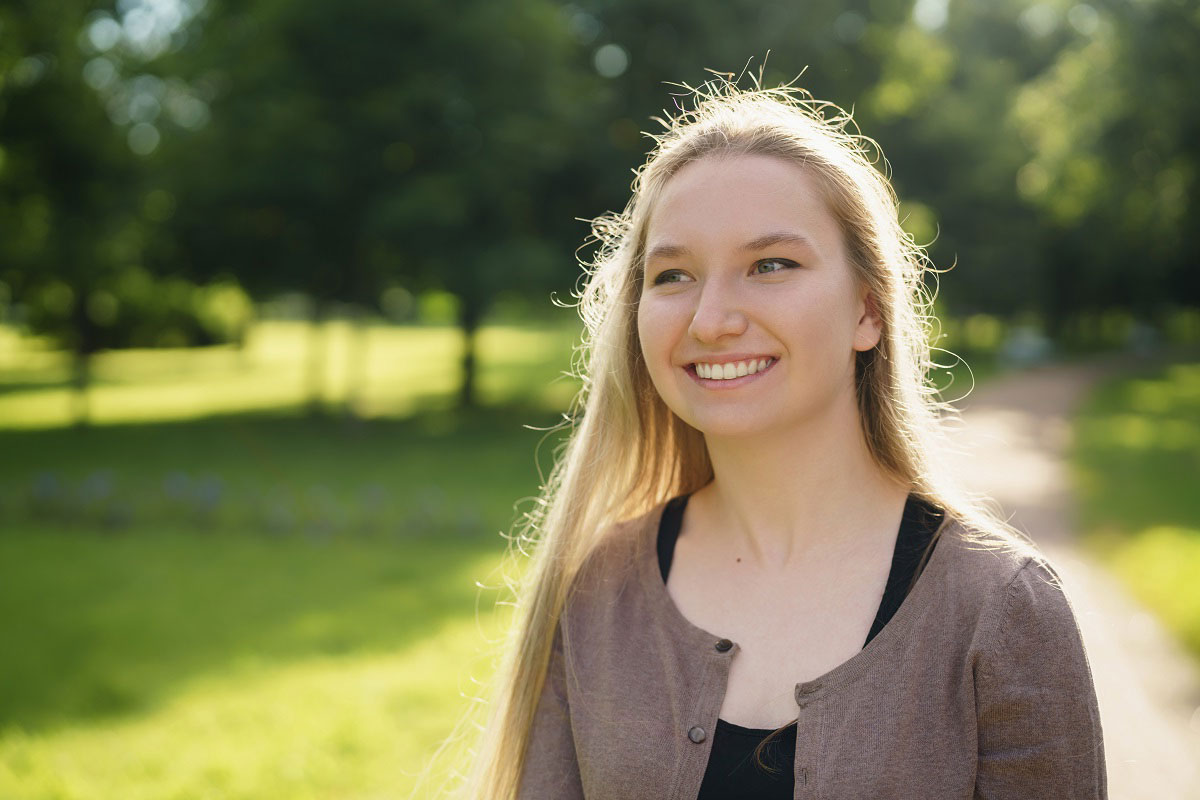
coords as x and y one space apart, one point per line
472 313
83 346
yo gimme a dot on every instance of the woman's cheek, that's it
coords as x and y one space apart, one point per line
645 336
652 328
650 340
657 333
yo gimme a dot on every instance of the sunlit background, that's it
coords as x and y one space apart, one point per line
285 297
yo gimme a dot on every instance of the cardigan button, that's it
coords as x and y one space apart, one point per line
696 734
724 646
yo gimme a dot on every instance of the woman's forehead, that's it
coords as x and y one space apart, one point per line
740 200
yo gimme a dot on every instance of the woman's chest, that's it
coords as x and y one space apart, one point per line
788 630
647 686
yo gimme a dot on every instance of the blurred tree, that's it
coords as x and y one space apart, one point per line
942 111
75 217
1053 146
68 220
1049 145
1116 129
373 144
833 48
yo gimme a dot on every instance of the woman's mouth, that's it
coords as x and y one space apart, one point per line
739 372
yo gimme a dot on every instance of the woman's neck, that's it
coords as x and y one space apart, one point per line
801 494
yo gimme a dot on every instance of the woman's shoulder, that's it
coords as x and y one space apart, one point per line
1019 616
988 553
615 553
996 572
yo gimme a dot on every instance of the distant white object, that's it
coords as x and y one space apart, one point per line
1025 346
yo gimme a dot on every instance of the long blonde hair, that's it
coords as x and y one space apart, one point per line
627 451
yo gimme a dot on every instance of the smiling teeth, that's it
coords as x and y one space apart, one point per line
732 370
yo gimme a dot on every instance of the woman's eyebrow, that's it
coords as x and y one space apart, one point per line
782 237
666 250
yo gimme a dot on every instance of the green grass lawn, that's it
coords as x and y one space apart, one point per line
162 665
194 654
206 594
1136 462
189 657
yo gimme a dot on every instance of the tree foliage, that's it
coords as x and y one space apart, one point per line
1046 149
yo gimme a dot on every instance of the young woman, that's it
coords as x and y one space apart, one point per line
751 575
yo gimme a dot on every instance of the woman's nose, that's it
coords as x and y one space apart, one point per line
718 313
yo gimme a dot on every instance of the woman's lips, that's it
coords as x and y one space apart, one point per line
733 383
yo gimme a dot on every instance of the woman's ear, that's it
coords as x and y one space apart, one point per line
870 323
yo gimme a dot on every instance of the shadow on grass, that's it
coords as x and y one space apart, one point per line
472 454
19 385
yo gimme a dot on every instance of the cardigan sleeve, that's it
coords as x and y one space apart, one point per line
1038 719
551 771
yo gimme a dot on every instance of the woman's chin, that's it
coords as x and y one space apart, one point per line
715 426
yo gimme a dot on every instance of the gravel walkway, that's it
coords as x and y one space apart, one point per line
1012 441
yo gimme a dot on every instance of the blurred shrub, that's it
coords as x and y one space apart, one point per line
518 308
135 309
398 304
437 307
1182 325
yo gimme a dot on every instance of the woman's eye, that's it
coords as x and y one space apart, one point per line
674 276
783 262
665 277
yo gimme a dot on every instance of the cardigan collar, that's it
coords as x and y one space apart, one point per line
881 648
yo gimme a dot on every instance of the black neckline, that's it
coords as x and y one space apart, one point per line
918 522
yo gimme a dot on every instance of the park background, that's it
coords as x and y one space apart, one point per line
285 322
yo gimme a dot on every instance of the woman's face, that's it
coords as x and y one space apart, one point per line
744 262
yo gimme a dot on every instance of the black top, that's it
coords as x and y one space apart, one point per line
732 771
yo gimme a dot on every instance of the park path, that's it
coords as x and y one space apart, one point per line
1012 446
